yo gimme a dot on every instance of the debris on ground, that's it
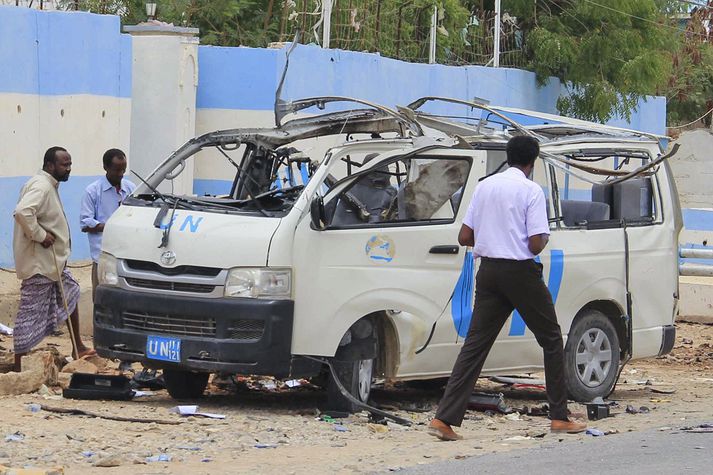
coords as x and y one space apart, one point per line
705 428
38 368
159 458
81 412
594 432
488 402
193 411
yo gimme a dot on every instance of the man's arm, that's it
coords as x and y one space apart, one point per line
466 237
26 215
538 227
536 244
86 213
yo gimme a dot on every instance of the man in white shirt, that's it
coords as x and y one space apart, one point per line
507 226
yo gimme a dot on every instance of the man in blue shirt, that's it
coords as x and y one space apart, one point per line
100 200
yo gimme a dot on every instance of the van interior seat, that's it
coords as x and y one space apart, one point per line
575 212
374 191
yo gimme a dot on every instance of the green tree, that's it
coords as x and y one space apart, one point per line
609 53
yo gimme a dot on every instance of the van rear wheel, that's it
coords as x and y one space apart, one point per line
591 357
183 384
356 377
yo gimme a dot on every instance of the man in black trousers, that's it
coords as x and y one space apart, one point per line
507 226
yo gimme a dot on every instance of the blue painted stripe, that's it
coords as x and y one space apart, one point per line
211 187
698 219
554 281
60 53
71 193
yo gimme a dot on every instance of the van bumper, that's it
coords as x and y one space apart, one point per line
668 339
232 335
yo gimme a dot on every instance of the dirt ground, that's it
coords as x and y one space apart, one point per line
280 431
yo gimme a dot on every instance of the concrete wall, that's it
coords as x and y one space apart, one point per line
693 170
237 89
65 80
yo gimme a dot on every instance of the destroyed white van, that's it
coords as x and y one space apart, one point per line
336 243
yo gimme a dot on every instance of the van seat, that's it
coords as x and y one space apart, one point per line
575 212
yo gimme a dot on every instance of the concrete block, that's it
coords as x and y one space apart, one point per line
37 369
81 366
696 304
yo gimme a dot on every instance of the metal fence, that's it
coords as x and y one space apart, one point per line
403 31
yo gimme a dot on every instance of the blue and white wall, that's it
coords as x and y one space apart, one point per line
65 79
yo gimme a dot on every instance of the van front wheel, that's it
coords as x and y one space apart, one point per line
591 357
185 384
356 377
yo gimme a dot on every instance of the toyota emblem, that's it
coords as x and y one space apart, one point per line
168 258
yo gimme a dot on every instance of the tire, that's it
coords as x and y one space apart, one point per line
185 384
591 357
356 377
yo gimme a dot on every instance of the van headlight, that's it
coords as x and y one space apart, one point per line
106 270
259 282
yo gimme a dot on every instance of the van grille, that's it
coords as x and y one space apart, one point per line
171 324
175 286
179 270
246 330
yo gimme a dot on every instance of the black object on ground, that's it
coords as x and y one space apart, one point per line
488 402
597 411
148 379
336 414
97 386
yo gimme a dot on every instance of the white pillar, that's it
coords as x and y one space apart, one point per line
496 39
163 107
432 36
327 22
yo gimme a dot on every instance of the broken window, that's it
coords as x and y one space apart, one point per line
591 195
402 191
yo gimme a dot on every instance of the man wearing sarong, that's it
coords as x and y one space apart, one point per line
41 232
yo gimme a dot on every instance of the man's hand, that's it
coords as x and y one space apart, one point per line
49 240
99 228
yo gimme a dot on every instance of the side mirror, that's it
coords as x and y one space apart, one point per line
316 211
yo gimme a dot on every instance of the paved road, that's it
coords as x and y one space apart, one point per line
633 453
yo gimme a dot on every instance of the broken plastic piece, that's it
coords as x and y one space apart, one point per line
488 402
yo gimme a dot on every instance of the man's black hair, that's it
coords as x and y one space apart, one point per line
110 154
522 150
51 155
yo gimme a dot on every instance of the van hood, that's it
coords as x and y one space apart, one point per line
197 238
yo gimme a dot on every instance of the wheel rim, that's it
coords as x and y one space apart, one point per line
365 372
594 357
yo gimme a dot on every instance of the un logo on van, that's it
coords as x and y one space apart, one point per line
380 248
168 258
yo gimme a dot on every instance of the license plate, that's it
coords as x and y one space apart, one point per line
163 348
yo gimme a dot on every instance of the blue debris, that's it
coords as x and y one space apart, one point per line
595 432
159 458
265 446
340 428
16 437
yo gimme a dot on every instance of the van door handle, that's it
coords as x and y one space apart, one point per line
444 249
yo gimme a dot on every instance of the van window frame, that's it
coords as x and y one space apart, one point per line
397 224
657 200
